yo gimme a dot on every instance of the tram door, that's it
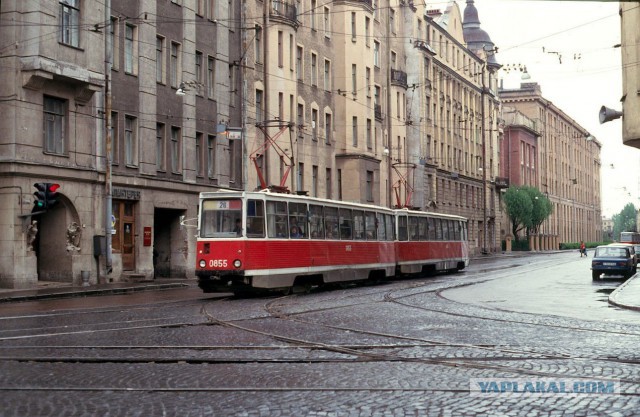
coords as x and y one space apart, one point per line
124 239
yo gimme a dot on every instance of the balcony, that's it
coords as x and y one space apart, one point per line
399 78
285 11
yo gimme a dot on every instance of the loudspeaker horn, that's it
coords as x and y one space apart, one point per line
607 114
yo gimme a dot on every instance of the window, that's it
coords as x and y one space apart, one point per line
130 140
259 105
211 155
367 29
376 54
280 49
314 6
353 26
258 44
199 72
211 76
369 190
314 69
327 186
369 136
175 149
374 5
314 124
70 22
299 65
314 181
55 125
130 49
160 146
175 64
160 76
291 53
339 184
327 22
113 33
367 73
354 79
199 154
327 75
300 176
328 129
300 119
392 20
354 131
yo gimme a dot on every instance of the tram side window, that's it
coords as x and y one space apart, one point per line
413 228
220 218
346 224
438 229
390 225
424 228
331 222
255 218
403 234
358 225
297 220
445 230
465 235
370 225
432 228
277 219
380 223
316 222
457 228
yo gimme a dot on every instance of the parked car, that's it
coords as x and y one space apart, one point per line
616 259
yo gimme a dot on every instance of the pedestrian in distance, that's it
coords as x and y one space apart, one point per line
583 249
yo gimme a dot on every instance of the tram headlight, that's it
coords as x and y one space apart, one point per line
203 263
237 263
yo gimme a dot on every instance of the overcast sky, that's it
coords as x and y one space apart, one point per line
568 48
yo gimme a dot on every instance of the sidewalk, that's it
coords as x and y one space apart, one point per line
51 290
627 295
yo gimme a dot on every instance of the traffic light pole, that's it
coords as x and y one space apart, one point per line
108 51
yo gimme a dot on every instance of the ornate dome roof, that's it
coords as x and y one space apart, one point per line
474 36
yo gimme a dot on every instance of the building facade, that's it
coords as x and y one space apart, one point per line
568 167
68 114
630 51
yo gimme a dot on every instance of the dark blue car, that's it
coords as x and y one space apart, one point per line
613 260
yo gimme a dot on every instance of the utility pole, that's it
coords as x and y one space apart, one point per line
484 161
108 59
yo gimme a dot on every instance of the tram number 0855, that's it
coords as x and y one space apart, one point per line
217 263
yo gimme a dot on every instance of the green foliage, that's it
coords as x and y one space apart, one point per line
625 221
527 208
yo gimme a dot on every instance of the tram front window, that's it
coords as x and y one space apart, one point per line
221 218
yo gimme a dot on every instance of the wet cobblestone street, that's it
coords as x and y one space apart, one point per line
401 348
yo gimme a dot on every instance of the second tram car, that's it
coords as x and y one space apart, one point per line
249 241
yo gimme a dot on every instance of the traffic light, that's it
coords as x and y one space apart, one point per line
46 195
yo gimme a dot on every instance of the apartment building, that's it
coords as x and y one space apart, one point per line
630 22
566 161
68 117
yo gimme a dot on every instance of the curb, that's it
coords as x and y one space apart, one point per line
88 292
617 294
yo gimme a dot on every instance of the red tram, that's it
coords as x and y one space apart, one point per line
273 241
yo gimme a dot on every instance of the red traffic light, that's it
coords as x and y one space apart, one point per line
53 187
46 196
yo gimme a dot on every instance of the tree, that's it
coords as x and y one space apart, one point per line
541 209
527 208
519 207
625 221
